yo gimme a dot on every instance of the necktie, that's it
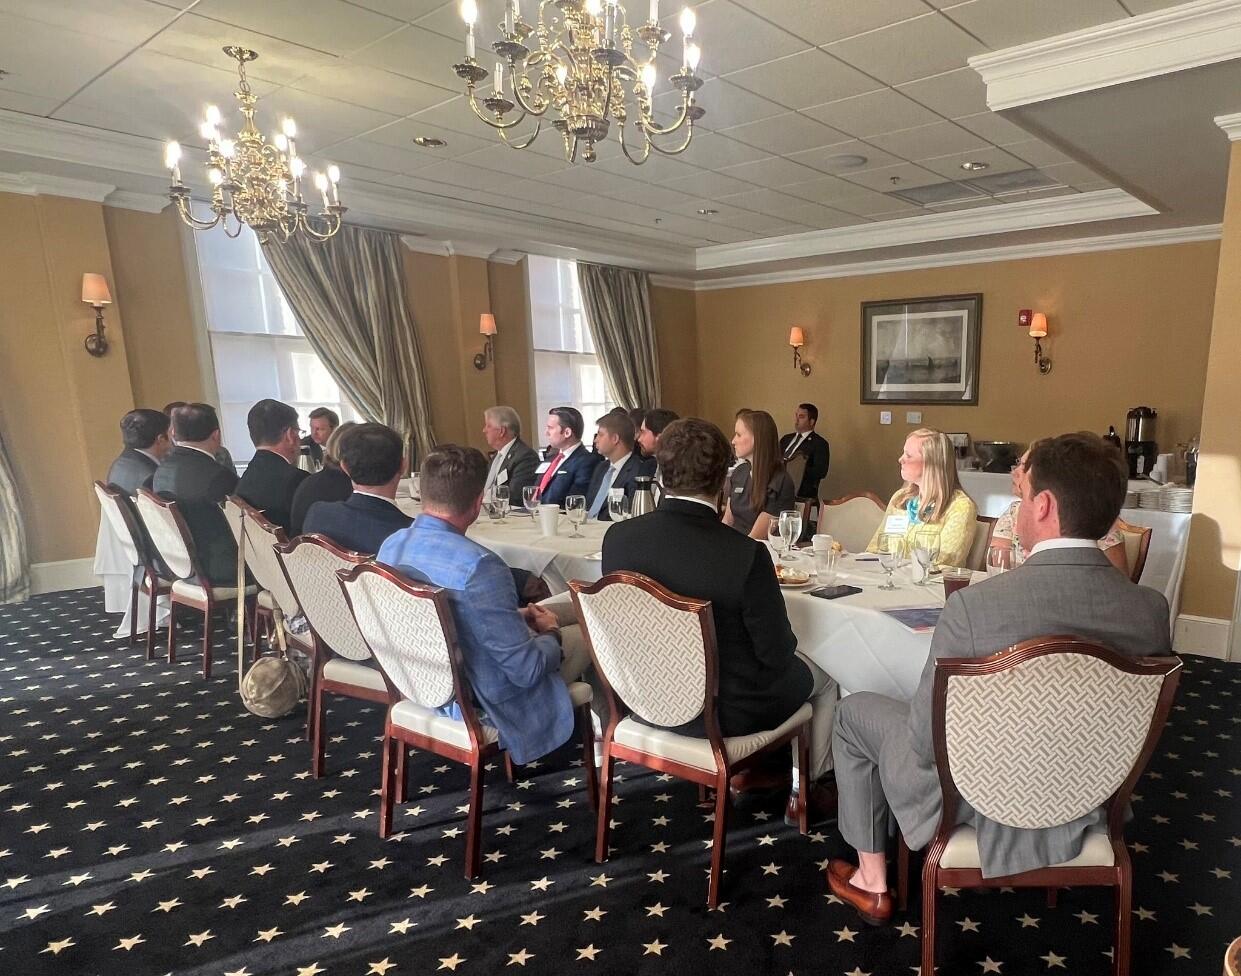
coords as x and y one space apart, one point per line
794 444
551 470
602 495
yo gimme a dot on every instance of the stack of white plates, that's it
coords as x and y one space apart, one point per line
1177 499
1149 498
1131 499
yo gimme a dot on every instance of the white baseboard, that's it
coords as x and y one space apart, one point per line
67 574
1202 635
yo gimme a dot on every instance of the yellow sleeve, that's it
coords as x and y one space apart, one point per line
874 539
956 533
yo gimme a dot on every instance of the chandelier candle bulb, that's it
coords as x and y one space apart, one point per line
281 142
172 160
228 148
289 128
321 186
213 116
215 176
469 13
648 78
654 18
693 53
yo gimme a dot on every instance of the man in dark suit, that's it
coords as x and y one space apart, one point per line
651 429
322 422
191 477
514 461
371 455
569 469
145 436
885 762
684 546
272 476
804 441
614 440
221 455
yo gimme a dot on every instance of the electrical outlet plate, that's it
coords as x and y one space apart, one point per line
885 416
913 416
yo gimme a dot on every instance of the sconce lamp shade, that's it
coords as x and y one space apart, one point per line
1038 326
95 290
487 324
796 336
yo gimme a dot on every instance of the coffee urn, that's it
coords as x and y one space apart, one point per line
1140 447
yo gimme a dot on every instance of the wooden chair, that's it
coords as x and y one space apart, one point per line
852 519
656 656
795 467
1137 540
410 631
984 529
275 602
343 664
1037 736
192 588
1232 959
118 508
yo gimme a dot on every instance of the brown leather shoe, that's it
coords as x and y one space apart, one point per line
821 802
759 780
875 908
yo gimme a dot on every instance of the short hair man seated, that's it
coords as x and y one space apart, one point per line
272 476
147 441
372 456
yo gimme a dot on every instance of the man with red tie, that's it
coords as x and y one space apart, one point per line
569 470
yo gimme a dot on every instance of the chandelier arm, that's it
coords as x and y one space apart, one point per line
187 215
529 139
689 134
494 123
651 129
526 108
625 149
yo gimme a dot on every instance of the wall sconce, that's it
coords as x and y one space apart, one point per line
486 328
1036 323
797 339
95 293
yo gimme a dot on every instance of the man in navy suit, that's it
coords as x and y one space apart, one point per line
569 469
147 442
371 455
614 443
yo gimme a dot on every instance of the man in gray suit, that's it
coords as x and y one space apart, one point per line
885 764
147 442
514 461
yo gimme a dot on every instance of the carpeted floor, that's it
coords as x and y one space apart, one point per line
150 825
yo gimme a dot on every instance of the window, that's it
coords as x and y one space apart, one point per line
257 347
566 369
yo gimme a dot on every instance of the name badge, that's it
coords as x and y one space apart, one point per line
542 467
502 478
897 524
739 489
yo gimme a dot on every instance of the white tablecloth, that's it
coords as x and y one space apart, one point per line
116 574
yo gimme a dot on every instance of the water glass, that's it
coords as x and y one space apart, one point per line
790 529
530 498
575 508
999 560
616 504
891 552
826 562
500 499
926 554
416 486
774 535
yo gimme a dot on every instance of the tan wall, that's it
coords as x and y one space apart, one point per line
674 316
1127 328
1215 537
514 369
430 301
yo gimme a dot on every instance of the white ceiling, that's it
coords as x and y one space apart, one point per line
791 83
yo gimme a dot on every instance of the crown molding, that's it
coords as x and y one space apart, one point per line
151 203
43 184
1158 43
1077 208
945 259
1231 124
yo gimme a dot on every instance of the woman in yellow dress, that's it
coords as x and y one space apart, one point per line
930 504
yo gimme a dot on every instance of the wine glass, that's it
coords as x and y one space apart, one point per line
500 500
530 498
774 534
890 548
616 504
790 530
926 555
999 560
575 509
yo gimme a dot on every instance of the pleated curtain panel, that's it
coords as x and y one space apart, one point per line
618 310
14 562
348 294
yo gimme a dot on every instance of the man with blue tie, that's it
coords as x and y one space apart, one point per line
569 470
614 443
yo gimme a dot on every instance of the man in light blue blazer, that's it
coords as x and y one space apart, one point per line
513 657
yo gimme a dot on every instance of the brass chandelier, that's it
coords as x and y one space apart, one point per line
583 64
254 182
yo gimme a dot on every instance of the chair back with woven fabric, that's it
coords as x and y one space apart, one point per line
168 533
984 530
653 649
310 564
795 468
235 516
852 519
1137 540
114 505
261 539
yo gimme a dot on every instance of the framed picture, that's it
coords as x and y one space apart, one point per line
921 350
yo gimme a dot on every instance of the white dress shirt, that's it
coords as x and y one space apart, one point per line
794 444
1062 543
496 463
372 494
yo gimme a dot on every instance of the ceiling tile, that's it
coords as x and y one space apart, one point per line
373 88
906 174
848 197
401 135
376 155
1006 23
726 105
997 160
128 21
1072 174
416 53
911 49
733 38
30 104
506 161
803 79
323 121
823 21
770 172
329 25
827 159
656 168
716 151
776 204
924 141
994 128
446 19
759 223
455 114
951 94
454 173
867 115
786 133
1037 153
410 9
50 61
707 184
200 39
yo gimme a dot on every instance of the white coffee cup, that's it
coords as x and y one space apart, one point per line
821 542
549 519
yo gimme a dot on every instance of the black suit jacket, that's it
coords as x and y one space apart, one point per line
685 547
199 486
269 483
360 522
131 470
572 477
818 456
519 463
634 467
328 485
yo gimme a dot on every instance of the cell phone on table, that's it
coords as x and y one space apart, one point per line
835 592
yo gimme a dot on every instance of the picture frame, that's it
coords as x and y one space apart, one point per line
922 350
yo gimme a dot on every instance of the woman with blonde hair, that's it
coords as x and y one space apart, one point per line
328 484
758 489
930 504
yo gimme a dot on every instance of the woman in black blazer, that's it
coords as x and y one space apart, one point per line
759 488
328 484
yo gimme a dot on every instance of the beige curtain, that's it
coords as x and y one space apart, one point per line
14 563
348 293
618 310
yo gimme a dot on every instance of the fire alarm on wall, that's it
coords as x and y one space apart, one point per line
1024 318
